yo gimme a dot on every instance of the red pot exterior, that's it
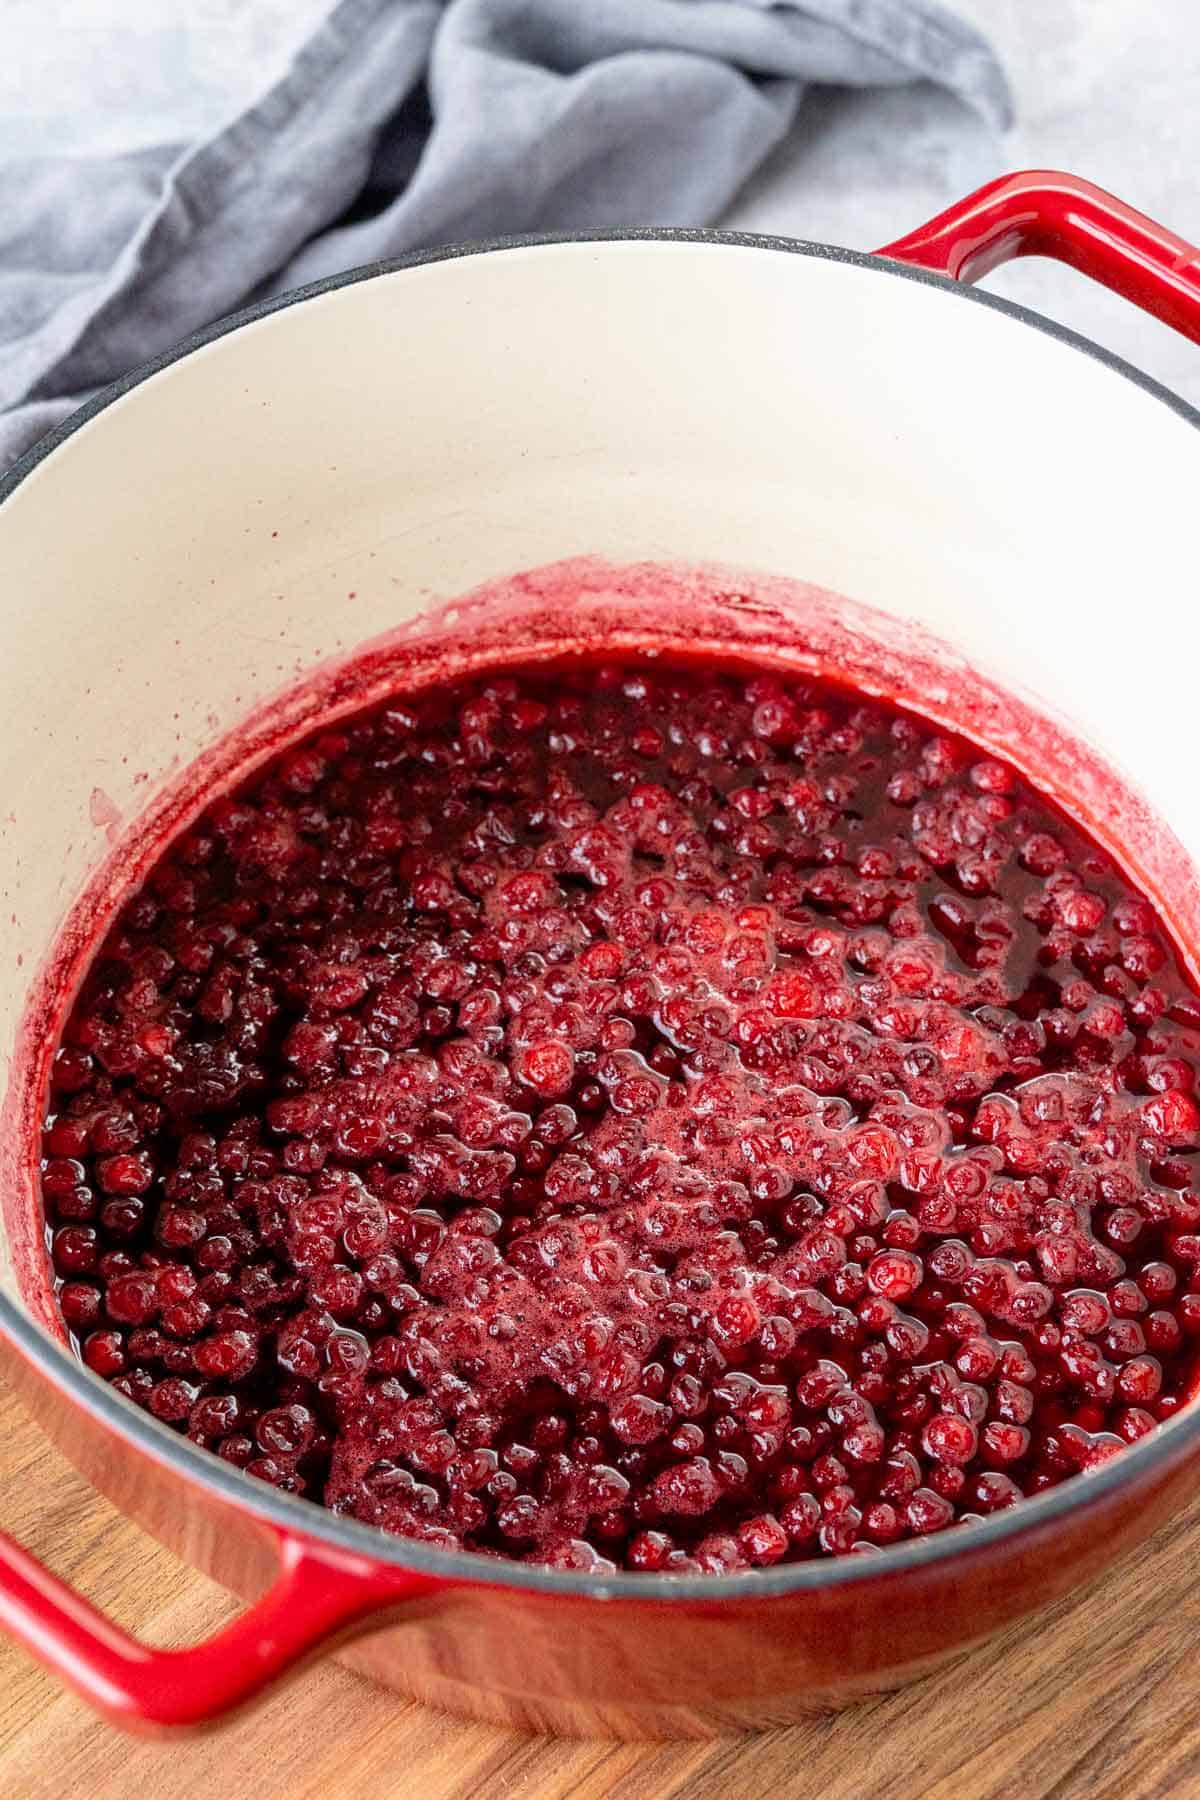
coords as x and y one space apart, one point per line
1042 212
619 1667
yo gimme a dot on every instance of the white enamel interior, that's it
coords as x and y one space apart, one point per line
406 437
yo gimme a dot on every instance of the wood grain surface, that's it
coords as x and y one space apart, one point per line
1100 1698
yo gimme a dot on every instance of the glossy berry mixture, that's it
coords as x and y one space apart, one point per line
640 1117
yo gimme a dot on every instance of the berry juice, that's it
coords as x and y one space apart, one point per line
635 1115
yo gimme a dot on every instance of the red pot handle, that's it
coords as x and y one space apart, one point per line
1041 212
147 1689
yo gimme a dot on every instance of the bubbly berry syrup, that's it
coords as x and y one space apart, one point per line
641 1116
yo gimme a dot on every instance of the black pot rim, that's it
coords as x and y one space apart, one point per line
1154 1454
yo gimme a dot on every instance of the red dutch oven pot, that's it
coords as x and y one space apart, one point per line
307 474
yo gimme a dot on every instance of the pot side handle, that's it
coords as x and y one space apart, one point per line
147 1689
1042 212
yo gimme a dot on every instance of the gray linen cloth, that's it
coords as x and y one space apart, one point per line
401 124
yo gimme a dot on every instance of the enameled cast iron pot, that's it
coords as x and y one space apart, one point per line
308 474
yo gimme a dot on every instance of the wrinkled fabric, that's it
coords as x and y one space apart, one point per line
402 124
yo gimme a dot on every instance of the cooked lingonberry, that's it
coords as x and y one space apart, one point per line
80 1304
949 1438
104 1351
688 1488
173 1399
895 1274
762 1540
229 1355
132 1299
632 1115
286 1430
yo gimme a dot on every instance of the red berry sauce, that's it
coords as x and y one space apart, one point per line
647 1117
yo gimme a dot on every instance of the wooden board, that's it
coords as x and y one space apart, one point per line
1100 1699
